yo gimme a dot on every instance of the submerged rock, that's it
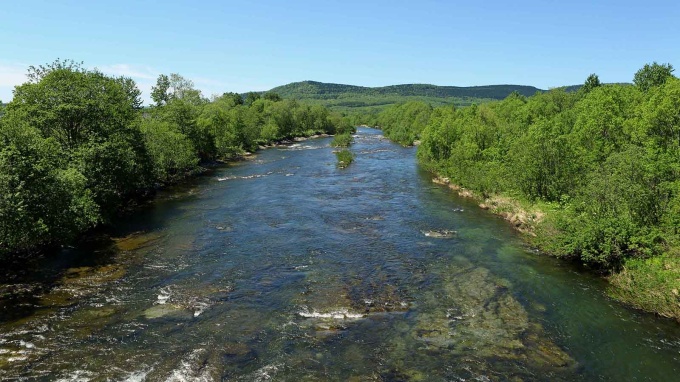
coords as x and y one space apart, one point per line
93 276
440 234
136 241
172 310
476 314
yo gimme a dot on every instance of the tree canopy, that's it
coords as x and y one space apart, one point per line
652 75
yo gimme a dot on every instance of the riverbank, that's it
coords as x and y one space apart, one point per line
147 195
651 284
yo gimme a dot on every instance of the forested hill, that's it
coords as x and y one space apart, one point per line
367 99
307 89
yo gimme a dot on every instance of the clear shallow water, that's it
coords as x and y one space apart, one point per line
284 267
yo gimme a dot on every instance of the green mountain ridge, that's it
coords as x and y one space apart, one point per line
352 98
304 88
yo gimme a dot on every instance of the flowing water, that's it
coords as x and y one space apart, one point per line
285 267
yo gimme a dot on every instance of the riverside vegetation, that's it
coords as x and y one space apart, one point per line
77 145
592 175
344 156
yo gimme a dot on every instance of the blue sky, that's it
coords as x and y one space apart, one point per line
242 45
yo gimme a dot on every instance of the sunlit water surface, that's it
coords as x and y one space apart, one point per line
284 267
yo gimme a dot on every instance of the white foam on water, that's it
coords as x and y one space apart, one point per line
155 266
342 314
290 323
298 147
27 345
78 376
254 176
186 371
266 373
375 151
199 308
163 295
138 376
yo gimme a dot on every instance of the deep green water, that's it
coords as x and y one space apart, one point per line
284 267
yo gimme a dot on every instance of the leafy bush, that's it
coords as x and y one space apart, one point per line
345 158
342 140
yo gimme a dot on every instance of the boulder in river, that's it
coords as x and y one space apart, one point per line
440 234
169 310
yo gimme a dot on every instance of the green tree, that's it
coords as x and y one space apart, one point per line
93 118
36 73
599 128
271 96
591 83
652 75
172 152
42 200
182 107
159 92
661 116
251 98
236 98
282 115
75 106
183 115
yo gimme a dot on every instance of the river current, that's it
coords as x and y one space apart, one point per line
285 267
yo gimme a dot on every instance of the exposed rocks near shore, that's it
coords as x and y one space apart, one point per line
286 142
523 220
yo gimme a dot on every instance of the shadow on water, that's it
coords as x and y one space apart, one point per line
30 277
27 277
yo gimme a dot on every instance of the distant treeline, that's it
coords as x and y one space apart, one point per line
604 162
366 100
77 145
329 89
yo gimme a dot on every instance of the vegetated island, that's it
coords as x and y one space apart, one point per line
591 175
78 146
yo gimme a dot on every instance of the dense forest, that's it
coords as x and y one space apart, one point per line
77 146
356 100
602 163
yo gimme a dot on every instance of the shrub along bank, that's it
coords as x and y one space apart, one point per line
593 174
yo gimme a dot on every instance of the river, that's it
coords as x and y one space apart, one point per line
284 267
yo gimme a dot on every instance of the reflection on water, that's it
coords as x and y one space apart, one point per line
284 267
